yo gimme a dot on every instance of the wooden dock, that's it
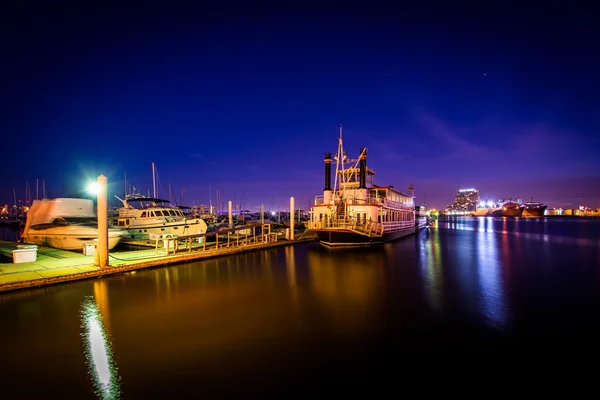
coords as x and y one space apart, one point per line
54 266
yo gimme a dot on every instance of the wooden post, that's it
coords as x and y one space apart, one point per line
102 222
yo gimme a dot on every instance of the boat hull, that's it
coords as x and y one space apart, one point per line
69 239
348 238
176 228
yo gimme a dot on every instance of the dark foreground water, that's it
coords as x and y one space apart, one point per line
469 295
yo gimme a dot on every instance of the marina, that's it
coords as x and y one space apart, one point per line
455 217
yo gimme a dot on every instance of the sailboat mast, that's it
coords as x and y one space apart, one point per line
154 180
125 179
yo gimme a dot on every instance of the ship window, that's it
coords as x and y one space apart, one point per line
172 212
143 215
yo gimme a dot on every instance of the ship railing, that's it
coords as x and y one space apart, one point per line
370 200
369 228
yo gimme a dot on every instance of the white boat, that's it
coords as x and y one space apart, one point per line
147 218
65 223
357 212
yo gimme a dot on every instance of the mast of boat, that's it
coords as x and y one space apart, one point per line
339 165
154 180
15 196
36 188
43 188
125 179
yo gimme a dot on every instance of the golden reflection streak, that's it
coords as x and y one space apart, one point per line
347 282
101 297
290 260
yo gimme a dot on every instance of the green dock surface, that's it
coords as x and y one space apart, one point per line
55 266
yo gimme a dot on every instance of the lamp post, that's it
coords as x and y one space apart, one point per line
100 188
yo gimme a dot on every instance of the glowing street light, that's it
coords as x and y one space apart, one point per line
93 187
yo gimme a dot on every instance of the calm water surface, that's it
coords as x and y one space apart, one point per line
303 318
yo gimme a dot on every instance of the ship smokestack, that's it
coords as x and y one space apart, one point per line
363 168
327 171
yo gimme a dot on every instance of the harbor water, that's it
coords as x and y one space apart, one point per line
300 319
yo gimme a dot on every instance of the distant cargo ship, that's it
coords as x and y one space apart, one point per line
509 209
534 209
482 212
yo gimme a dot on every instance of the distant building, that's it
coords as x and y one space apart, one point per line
466 200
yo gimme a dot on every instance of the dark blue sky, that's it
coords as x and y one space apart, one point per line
246 100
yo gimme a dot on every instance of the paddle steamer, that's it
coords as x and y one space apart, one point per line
355 211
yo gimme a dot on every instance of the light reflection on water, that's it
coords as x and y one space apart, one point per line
475 265
514 227
431 265
99 354
349 283
490 278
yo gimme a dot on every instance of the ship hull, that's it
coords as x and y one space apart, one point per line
349 238
508 212
534 212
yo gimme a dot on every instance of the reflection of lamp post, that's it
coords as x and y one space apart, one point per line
100 188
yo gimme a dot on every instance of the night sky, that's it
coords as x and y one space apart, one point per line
245 100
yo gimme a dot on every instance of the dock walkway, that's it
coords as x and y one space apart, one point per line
55 266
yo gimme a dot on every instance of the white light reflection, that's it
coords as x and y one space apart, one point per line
98 352
490 279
